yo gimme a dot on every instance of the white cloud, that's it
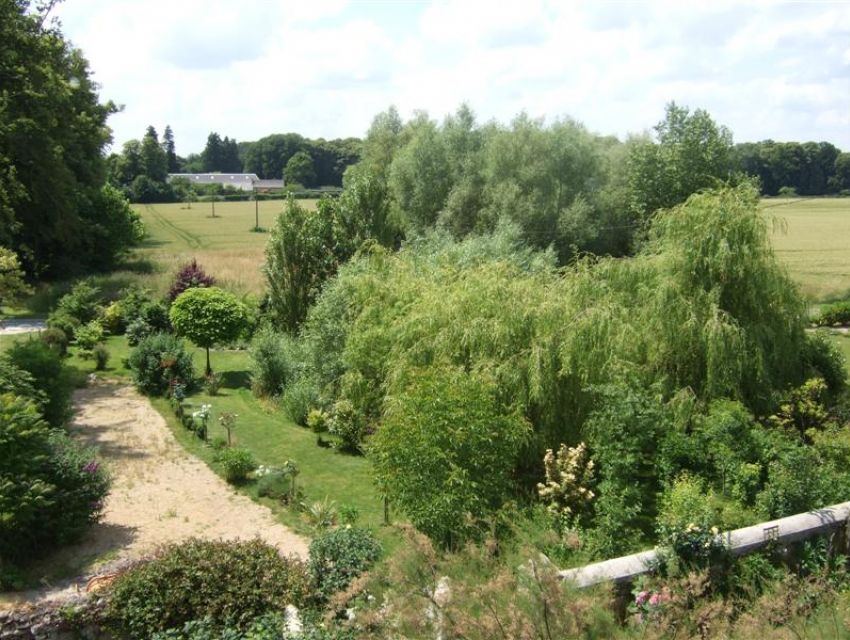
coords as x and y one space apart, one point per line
325 68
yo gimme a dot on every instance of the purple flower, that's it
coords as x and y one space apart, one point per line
91 467
641 597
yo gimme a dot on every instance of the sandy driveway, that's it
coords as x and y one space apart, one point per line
160 492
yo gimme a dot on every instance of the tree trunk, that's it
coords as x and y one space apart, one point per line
209 368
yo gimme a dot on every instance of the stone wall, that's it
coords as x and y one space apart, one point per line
63 620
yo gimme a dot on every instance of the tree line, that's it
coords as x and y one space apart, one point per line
56 208
141 169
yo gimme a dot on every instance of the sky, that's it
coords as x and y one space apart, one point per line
325 68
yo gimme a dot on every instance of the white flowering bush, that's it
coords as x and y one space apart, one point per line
569 475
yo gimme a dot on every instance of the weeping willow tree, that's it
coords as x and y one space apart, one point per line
703 310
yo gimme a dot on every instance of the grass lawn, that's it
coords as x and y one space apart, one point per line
225 245
812 239
268 433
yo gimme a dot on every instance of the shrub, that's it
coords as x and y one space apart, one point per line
152 317
346 423
159 359
787 192
837 313
230 583
825 360
277 485
112 319
339 555
53 488
212 384
236 463
446 451
189 276
317 421
55 339
101 357
690 519
298 398
82 303
794 483
61 321
87 336
137 331
49 376
276 361
18 382
82 486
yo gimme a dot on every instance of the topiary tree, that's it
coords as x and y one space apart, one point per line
208 317
190 275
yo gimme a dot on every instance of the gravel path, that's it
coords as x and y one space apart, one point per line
160 492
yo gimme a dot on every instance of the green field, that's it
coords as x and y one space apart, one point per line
225 245
812 238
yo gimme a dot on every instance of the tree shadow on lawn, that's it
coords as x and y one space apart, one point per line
236 379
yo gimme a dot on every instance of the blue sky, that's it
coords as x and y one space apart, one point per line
325 68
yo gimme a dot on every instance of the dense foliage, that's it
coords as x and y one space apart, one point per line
54 207
446 449
50 488
339 555
606 349
50 379
229 583
304 250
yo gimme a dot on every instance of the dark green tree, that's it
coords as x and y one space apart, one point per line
299 170
153 156
303 251
52 134
168 147
230 162
213 153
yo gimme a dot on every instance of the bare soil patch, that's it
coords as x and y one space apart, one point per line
160 494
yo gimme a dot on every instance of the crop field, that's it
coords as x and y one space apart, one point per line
224 245
812 238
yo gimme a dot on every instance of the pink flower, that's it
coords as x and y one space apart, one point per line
641 597
654 600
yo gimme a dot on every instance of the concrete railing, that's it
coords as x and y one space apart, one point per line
739 542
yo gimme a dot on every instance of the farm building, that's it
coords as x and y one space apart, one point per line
243 181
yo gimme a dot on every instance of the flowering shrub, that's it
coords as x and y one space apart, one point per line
200 418
52 488
568 476
649 601
695 544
